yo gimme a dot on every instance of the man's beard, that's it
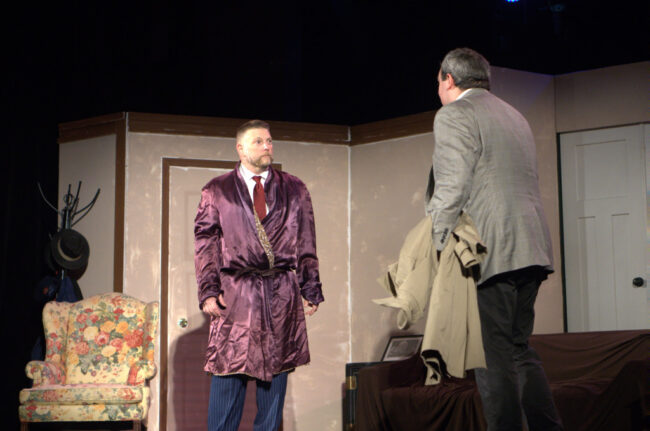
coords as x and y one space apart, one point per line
262 162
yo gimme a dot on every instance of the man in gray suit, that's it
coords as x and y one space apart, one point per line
484 164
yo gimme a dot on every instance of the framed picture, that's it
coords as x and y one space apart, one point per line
402 347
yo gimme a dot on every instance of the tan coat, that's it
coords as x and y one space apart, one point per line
453 328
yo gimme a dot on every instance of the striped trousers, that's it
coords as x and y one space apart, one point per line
227 395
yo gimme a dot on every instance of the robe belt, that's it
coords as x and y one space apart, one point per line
268 272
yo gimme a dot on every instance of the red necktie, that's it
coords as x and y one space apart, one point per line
259 200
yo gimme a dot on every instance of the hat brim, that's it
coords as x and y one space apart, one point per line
65 261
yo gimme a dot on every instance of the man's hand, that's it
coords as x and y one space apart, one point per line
312 307
211 307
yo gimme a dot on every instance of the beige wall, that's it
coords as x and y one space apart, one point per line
611 96
92 161
534 96
388 183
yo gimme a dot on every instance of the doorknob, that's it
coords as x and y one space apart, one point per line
638 282
182 322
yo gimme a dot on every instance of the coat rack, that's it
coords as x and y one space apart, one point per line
70 215
70 211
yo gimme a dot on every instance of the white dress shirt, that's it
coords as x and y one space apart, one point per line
250 182
460 96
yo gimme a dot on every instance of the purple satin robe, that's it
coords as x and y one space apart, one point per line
262 330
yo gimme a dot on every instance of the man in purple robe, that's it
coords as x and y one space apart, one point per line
255 257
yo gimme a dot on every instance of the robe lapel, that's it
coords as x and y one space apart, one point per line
270 192
245 199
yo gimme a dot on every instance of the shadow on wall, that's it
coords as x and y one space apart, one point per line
190 389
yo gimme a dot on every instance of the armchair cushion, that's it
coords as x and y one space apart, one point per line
84 393
82 412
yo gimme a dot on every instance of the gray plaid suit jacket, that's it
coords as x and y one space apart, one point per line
484 164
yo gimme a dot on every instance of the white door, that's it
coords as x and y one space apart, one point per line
604 220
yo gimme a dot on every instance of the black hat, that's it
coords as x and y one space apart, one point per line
70 249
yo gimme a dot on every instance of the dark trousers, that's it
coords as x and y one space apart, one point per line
227 395
514 381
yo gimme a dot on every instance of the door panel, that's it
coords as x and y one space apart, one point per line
586 231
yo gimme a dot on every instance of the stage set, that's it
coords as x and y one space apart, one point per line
367 184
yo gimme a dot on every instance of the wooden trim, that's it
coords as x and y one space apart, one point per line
227 127
169 162
182 124
310 132
90 127
138 122
164 306
120 199
589 129
392 128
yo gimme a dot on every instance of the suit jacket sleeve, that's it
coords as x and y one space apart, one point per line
457 150
207 243
307 261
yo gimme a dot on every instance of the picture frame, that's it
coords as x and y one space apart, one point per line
401 347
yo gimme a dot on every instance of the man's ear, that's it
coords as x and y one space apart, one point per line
449 81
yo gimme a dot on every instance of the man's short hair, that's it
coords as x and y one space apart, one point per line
252 124
468 68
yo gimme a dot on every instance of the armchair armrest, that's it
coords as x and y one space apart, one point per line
140 372
45 373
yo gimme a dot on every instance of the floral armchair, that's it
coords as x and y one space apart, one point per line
99 357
